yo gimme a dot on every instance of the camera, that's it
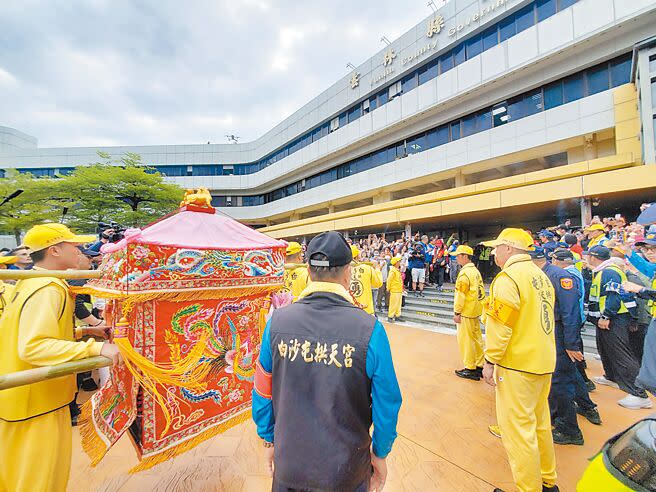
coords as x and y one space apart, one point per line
111 231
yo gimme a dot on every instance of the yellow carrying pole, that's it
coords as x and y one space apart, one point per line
65 274
39 374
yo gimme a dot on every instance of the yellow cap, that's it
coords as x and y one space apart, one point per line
293 248
595 227
395 260
355 251
463 249
8 260
517 238
43 236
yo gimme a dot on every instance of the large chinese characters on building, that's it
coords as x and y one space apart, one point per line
187 300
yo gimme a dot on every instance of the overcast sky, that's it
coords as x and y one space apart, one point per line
101 72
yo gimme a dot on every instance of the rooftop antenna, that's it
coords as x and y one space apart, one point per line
385 40
233 139
351 66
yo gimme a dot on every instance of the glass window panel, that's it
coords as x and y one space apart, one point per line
533 102
652 64
409 82
546 8
653 94
516 108
446 62
484 121
383 97
373 103
474 46
431 139
500 114
428 72
553 95
459 54
573 88
563 4
620 71
507 28
598 79
525 18
455 130
400 150
442 135
417 144
391 154
342 119
468 125
379 158
354 113
491 38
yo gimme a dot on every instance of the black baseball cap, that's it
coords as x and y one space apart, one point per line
537 253
601 252
331 244
562 255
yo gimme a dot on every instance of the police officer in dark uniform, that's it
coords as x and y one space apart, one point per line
568 342
324 376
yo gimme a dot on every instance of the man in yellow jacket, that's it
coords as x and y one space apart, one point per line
520 357
395 288
296 278
597 235
467 309
6 290
37 330
364 278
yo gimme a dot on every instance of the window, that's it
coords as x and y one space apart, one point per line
524 18
620 71
394 90
228 170
553 95
573 88
653 94
373 103
474 47
563 4
365 106
652 64
416 144
490 38
316 134
459 54
428 71
207 170
383 97
507 28
409 82
354 113
446 62
598 79
546 8
500 114
342 119
525 105
334 124
469 125
455 130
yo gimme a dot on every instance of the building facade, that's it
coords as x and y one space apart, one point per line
487 113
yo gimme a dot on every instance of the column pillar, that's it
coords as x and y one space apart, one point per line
382 197
459 179
331 208
586 211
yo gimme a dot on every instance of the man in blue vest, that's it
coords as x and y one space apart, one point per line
324 376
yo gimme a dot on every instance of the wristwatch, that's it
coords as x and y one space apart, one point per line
267 444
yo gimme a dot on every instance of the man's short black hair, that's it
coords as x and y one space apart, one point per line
38 256
570 239
324 274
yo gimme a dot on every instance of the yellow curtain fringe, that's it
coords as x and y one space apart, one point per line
92 444
188 373
185 446
182 295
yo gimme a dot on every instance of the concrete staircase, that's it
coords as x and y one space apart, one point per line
435 312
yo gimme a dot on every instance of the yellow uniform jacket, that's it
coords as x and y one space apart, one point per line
364 278
296 280
37 330
394 281
470 292
6 293
520 318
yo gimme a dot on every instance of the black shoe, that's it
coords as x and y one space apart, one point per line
561 438
479 370
553 488
497 490
590 385
591 414
468 374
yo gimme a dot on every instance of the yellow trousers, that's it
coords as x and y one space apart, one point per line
35 454
394 310
470 341
525 422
